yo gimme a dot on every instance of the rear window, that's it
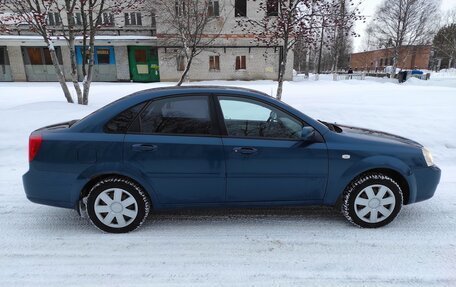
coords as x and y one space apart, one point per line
121 123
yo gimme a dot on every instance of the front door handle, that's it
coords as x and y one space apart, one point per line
144 147
245 150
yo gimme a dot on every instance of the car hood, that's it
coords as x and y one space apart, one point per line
374 135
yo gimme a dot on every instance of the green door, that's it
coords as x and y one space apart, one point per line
144 64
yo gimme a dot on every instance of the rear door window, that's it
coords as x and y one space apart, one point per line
184 115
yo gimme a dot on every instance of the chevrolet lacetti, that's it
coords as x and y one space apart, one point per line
216 147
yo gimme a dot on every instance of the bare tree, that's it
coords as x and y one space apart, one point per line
192 26
93 14
445 44
35 14
339 41
402 23
283 22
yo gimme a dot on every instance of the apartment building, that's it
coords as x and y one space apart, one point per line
132 47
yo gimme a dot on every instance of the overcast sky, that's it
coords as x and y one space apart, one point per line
368 8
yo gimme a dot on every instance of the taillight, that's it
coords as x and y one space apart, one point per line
34 145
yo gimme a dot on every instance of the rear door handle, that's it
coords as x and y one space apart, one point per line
144 147
245 150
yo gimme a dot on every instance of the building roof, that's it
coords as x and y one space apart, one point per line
386 49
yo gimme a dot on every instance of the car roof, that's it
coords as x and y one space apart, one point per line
196 89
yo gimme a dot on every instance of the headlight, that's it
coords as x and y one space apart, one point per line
428 156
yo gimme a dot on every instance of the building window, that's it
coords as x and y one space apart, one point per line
54 19
179 6
214 63
391 61
272 8
213 8
103 56
180 63
37 56
381 62
240 8
240 63
78 19
153 19
133 19
107 19
3 58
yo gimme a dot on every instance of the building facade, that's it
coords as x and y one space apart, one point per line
131 47
410 57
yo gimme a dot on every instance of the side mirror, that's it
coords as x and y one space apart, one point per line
308 133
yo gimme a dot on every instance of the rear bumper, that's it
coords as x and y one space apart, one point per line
427 180
49 188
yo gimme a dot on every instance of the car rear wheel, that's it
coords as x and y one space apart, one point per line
372 200
117 205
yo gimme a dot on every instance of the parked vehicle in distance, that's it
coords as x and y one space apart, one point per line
221 146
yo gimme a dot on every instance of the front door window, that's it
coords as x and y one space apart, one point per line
249 118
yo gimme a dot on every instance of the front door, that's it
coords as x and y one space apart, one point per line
144 65
266 159
175 144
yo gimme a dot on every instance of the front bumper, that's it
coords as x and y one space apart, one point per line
427 180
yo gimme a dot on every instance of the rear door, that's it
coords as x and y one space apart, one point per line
266 160
175 143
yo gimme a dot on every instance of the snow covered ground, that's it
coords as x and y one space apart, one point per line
311 246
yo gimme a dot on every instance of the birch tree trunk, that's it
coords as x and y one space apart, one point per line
282 70
74 71
187 68
71 45
88 78
59 72
91 61
307 66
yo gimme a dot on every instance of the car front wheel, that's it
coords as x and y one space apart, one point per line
117 205
372 200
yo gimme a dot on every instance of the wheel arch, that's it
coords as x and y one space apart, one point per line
96 178
396 176
391 167
393 174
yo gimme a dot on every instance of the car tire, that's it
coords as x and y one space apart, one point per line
372 200
117 205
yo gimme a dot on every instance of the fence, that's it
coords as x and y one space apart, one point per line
357 76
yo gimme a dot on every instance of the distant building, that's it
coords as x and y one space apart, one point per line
376 61
129 48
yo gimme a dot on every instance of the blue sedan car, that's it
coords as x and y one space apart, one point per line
220 146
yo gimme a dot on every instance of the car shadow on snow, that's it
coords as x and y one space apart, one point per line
245 216
309 216
62 219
